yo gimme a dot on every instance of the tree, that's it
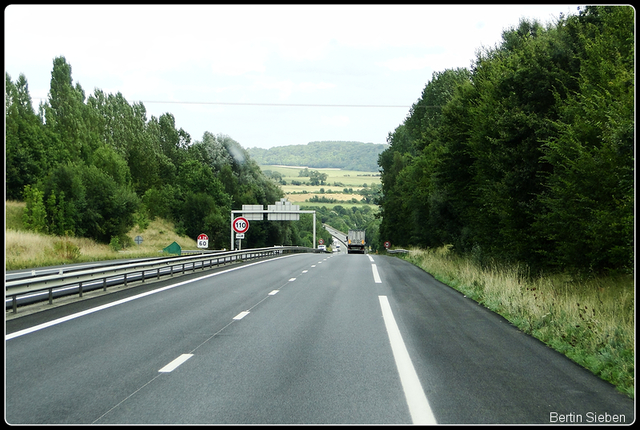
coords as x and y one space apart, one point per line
34 217
110 208
317 178
590 186
25 140
70 121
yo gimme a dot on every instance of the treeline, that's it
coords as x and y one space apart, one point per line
344 155
95 166
529 155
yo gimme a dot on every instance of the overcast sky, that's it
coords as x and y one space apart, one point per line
238 69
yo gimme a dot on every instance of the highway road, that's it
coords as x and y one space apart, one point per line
299 339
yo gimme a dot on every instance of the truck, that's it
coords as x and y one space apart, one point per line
355 242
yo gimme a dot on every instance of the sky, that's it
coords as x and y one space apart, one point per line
264 75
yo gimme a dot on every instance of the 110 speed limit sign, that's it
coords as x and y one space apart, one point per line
240 225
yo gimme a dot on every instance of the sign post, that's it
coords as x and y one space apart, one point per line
240 225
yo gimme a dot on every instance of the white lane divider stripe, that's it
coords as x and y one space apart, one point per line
274 292
175 363
370 258
292 279
241 315
376 275
419 407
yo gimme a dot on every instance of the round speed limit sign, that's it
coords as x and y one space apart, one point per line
240 225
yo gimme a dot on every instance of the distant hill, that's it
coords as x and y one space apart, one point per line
344 155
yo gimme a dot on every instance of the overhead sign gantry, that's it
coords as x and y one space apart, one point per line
280 211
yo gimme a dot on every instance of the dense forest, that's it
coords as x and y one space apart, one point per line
95 166
528 156
344 155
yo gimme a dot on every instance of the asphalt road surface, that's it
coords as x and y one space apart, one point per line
300 339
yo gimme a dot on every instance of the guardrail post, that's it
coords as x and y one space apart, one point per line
158 274
104 284
80 289
50 296
143 276
15 304
125 279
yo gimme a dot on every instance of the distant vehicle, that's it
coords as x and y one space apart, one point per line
322 247
355 242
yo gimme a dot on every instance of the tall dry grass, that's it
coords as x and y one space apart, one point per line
591 321
27 249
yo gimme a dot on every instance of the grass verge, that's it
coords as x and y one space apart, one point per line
591 321
26 249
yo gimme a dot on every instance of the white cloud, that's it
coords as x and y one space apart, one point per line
286 88
407 63
323 54
335 121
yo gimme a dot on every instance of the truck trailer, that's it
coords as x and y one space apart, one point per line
355 242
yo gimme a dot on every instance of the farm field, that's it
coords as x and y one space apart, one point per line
337 181
350 178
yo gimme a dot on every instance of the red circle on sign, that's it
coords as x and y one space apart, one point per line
240 225
387 244
203 237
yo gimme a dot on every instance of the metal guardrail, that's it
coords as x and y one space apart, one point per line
397 251
117 274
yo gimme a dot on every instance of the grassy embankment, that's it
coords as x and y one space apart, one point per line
591 321
337 181
25 249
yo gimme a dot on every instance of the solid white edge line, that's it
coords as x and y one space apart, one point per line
419 407
376 275
175 363
128 299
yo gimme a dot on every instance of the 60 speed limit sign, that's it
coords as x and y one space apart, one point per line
203 241
240 225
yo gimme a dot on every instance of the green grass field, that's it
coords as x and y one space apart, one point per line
337 181
349 178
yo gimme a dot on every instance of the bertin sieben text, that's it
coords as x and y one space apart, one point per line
589 417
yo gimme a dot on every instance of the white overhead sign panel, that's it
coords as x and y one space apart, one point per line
252 216
283 205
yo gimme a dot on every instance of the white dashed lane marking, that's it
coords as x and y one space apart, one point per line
175 363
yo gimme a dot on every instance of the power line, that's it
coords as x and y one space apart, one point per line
269 104
259 104
278 104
